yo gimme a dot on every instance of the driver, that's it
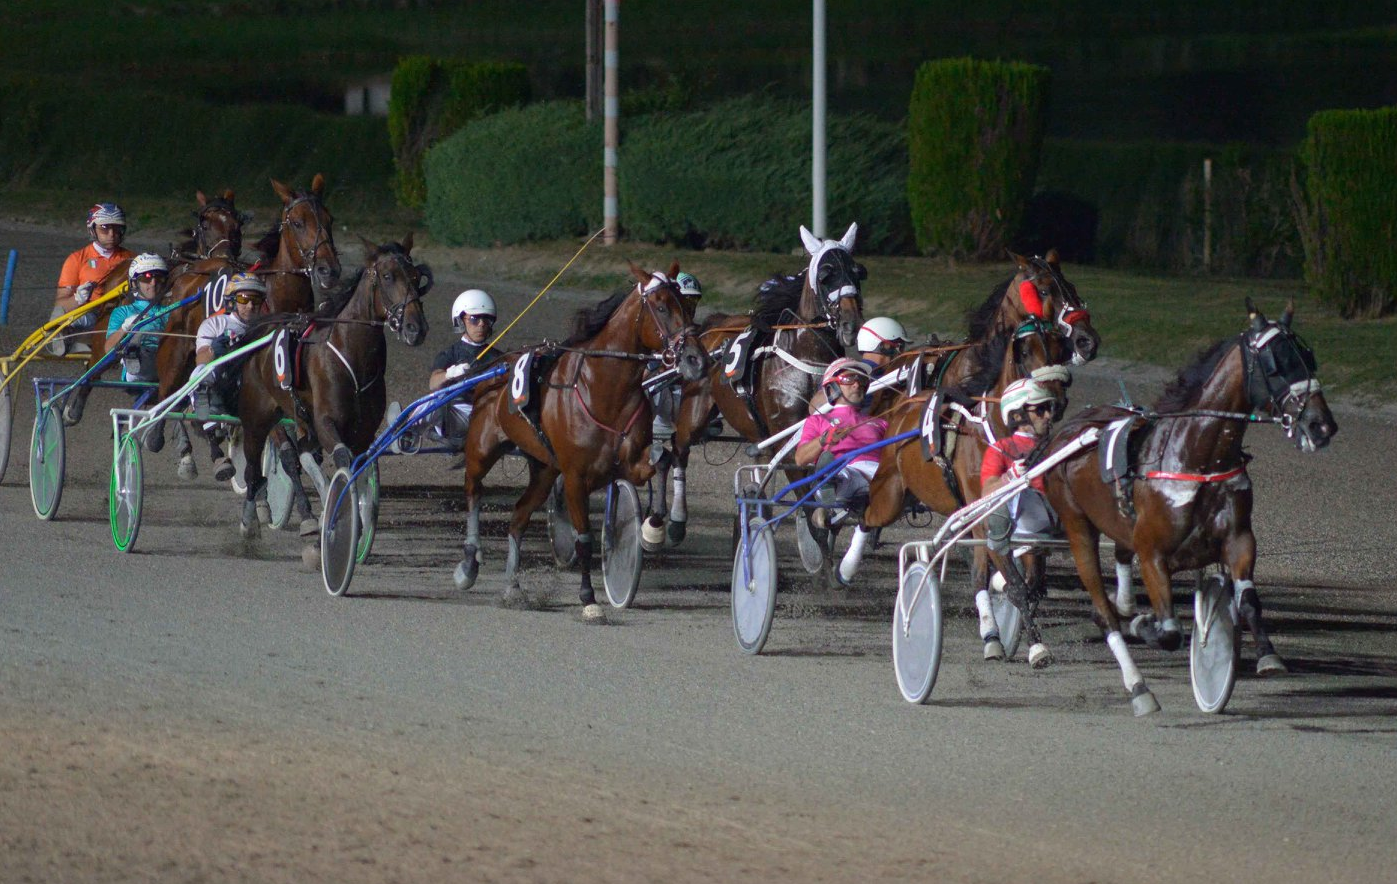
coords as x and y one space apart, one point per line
664 400
83 269
148 276
844 428
473 315
219 335
880 340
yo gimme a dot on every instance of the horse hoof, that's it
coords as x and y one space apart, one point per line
309 527
994 648
310 557
1171 640
1039 657
264 513
1143 703
72 414
676 531
465 574
652 534
187 469
1269 665
223 469
154 441
250 530
515 599
594 614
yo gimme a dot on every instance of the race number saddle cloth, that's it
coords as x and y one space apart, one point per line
288 349
942 416
526 378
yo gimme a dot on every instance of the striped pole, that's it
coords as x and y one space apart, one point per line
9 282
817 117
611 136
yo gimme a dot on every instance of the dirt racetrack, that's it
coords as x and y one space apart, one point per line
200 710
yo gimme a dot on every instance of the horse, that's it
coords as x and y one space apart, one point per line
806 320
339 389
1186 501
298 256
593 420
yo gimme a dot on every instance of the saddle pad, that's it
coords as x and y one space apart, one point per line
931 427
521 385
1114 454
213 292
738 355
914 376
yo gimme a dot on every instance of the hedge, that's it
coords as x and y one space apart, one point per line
525 173
431 98
734 175
135 142
1349 210
974 132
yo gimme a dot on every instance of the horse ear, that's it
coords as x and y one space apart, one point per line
407 243
1052 258
317 184
282 191
1288 315
1019 260
847 240
811 242
203 200
1258 321
637 272
228 194
369 247
673 270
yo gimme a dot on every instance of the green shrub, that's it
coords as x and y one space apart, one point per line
975 130
737 174
432 98
1349 210
520 174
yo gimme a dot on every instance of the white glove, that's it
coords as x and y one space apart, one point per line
129 321
82 293
457 371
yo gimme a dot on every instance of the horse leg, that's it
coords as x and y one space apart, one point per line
1240 554
575 491
73 408
478 463
1083 537
1125 589
254 439
187 468
1160 628
329 435
652 530
540 486
679 507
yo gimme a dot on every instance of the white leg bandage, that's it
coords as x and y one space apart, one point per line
1125 591
679 507
849 565
982 605
1129 673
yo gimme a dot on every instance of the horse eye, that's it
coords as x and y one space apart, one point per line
297 224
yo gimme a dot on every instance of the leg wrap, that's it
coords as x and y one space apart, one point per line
1129 673
1125 591
849 565
679 507
988 626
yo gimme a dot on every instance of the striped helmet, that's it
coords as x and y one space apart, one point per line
105 213
148 262
247 282
1021 394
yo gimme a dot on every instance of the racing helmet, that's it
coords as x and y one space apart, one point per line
689 285
1019 395
246 282
882 334
471 302
147 262
846 366
105 213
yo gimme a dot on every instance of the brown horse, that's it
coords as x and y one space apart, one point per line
593 420
217 233
339 389
298 258
798 325
1186 501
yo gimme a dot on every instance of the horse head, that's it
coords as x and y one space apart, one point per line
218 227
398 286
307 233
1039 289
671 333
834 281
1281 379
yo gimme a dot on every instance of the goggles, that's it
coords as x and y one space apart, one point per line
480 319
1039 408
247 297
151 276
851 377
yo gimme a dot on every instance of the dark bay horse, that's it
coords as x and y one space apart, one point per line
339 390
591 422
798 325
1187 501
298 258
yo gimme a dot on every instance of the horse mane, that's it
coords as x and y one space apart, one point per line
778 296
989 362
1183 391
982 317
270 243
588 322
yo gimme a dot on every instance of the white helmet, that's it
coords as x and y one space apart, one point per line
689 285
880 331
1021 394
471 302
149 262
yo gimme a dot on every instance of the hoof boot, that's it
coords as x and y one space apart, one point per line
593 613
465 574
1269 665
223 469
187 471
1143 704
1039 657
676 531
652 534
994 648
309 528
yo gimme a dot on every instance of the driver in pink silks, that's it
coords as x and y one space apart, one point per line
842 429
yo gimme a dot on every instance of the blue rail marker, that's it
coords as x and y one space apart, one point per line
9 282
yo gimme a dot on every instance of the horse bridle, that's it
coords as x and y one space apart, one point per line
673 343
394 313
1280 387
833 299
1071 308
201 224
307 255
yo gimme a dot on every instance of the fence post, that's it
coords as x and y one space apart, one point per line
1207 214
9 282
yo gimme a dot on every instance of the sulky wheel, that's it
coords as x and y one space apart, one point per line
620 551
561 536
7 425
281 488
813 543
917 632
1009 619
339 533
47 457
754 586
239 459
124 493
368 511
1212 649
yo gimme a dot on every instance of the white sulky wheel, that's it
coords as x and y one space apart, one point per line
621 559
339 533
7 425
1009 619
124 493
47 458
315 474
280 488
561 536
368 512
1212 649
754 573
917 632
811 542
239 459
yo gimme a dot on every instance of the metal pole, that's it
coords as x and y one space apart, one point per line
611 137
1207 215
9 281
594 39
817 116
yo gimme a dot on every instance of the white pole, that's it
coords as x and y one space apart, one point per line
817 116
611 136
1207 215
